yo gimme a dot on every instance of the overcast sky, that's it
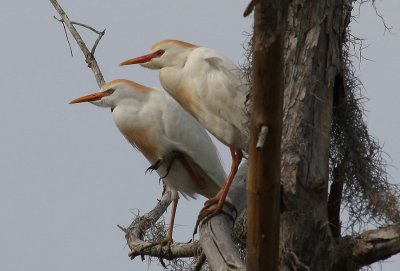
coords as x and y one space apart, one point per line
67 176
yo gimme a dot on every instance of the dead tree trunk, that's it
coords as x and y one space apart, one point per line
313 62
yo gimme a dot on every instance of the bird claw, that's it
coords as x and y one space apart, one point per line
209 211
154 166
169 158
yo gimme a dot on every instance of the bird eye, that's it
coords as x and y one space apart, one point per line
160 53
110 91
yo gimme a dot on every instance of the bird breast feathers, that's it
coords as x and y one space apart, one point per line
136 127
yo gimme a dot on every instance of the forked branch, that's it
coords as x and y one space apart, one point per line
135 232
89 57
99 33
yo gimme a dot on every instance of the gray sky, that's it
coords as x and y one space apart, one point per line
67 176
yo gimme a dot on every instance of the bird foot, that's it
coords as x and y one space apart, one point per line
154 166
209 210
169 159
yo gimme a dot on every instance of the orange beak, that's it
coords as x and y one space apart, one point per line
90 98
140 59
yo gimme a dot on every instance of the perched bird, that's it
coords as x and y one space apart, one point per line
175 144
210 87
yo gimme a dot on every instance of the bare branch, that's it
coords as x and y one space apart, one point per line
371 246
135 232
199 263
215 233
89 27
376 245
90 60
66 34
101 34
249 9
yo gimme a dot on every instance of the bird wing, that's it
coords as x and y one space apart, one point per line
222 75
182 133
219 86
187 136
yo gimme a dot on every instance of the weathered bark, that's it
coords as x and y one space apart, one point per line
215 233
371 246
263 187
312 63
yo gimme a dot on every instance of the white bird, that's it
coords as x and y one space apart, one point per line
210 87
175 144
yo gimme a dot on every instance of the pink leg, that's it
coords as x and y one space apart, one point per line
168 239
208 210
237 156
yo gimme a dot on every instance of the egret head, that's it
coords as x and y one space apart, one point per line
114 93
166 53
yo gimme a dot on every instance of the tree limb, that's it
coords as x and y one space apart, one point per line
90 60
135 232
199 263
249 9
376 245
370 247
215 233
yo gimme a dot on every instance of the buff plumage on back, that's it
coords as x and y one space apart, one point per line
135 86
167 43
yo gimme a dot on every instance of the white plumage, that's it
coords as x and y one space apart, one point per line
210 87
158 127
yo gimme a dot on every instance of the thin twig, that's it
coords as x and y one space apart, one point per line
262 136
90 60
297 263
249 9
88 27
99 33
66 34
200 261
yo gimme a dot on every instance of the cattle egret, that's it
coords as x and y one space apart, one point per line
175 144
210 87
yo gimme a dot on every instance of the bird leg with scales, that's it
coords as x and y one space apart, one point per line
170 158
168 239
209 210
